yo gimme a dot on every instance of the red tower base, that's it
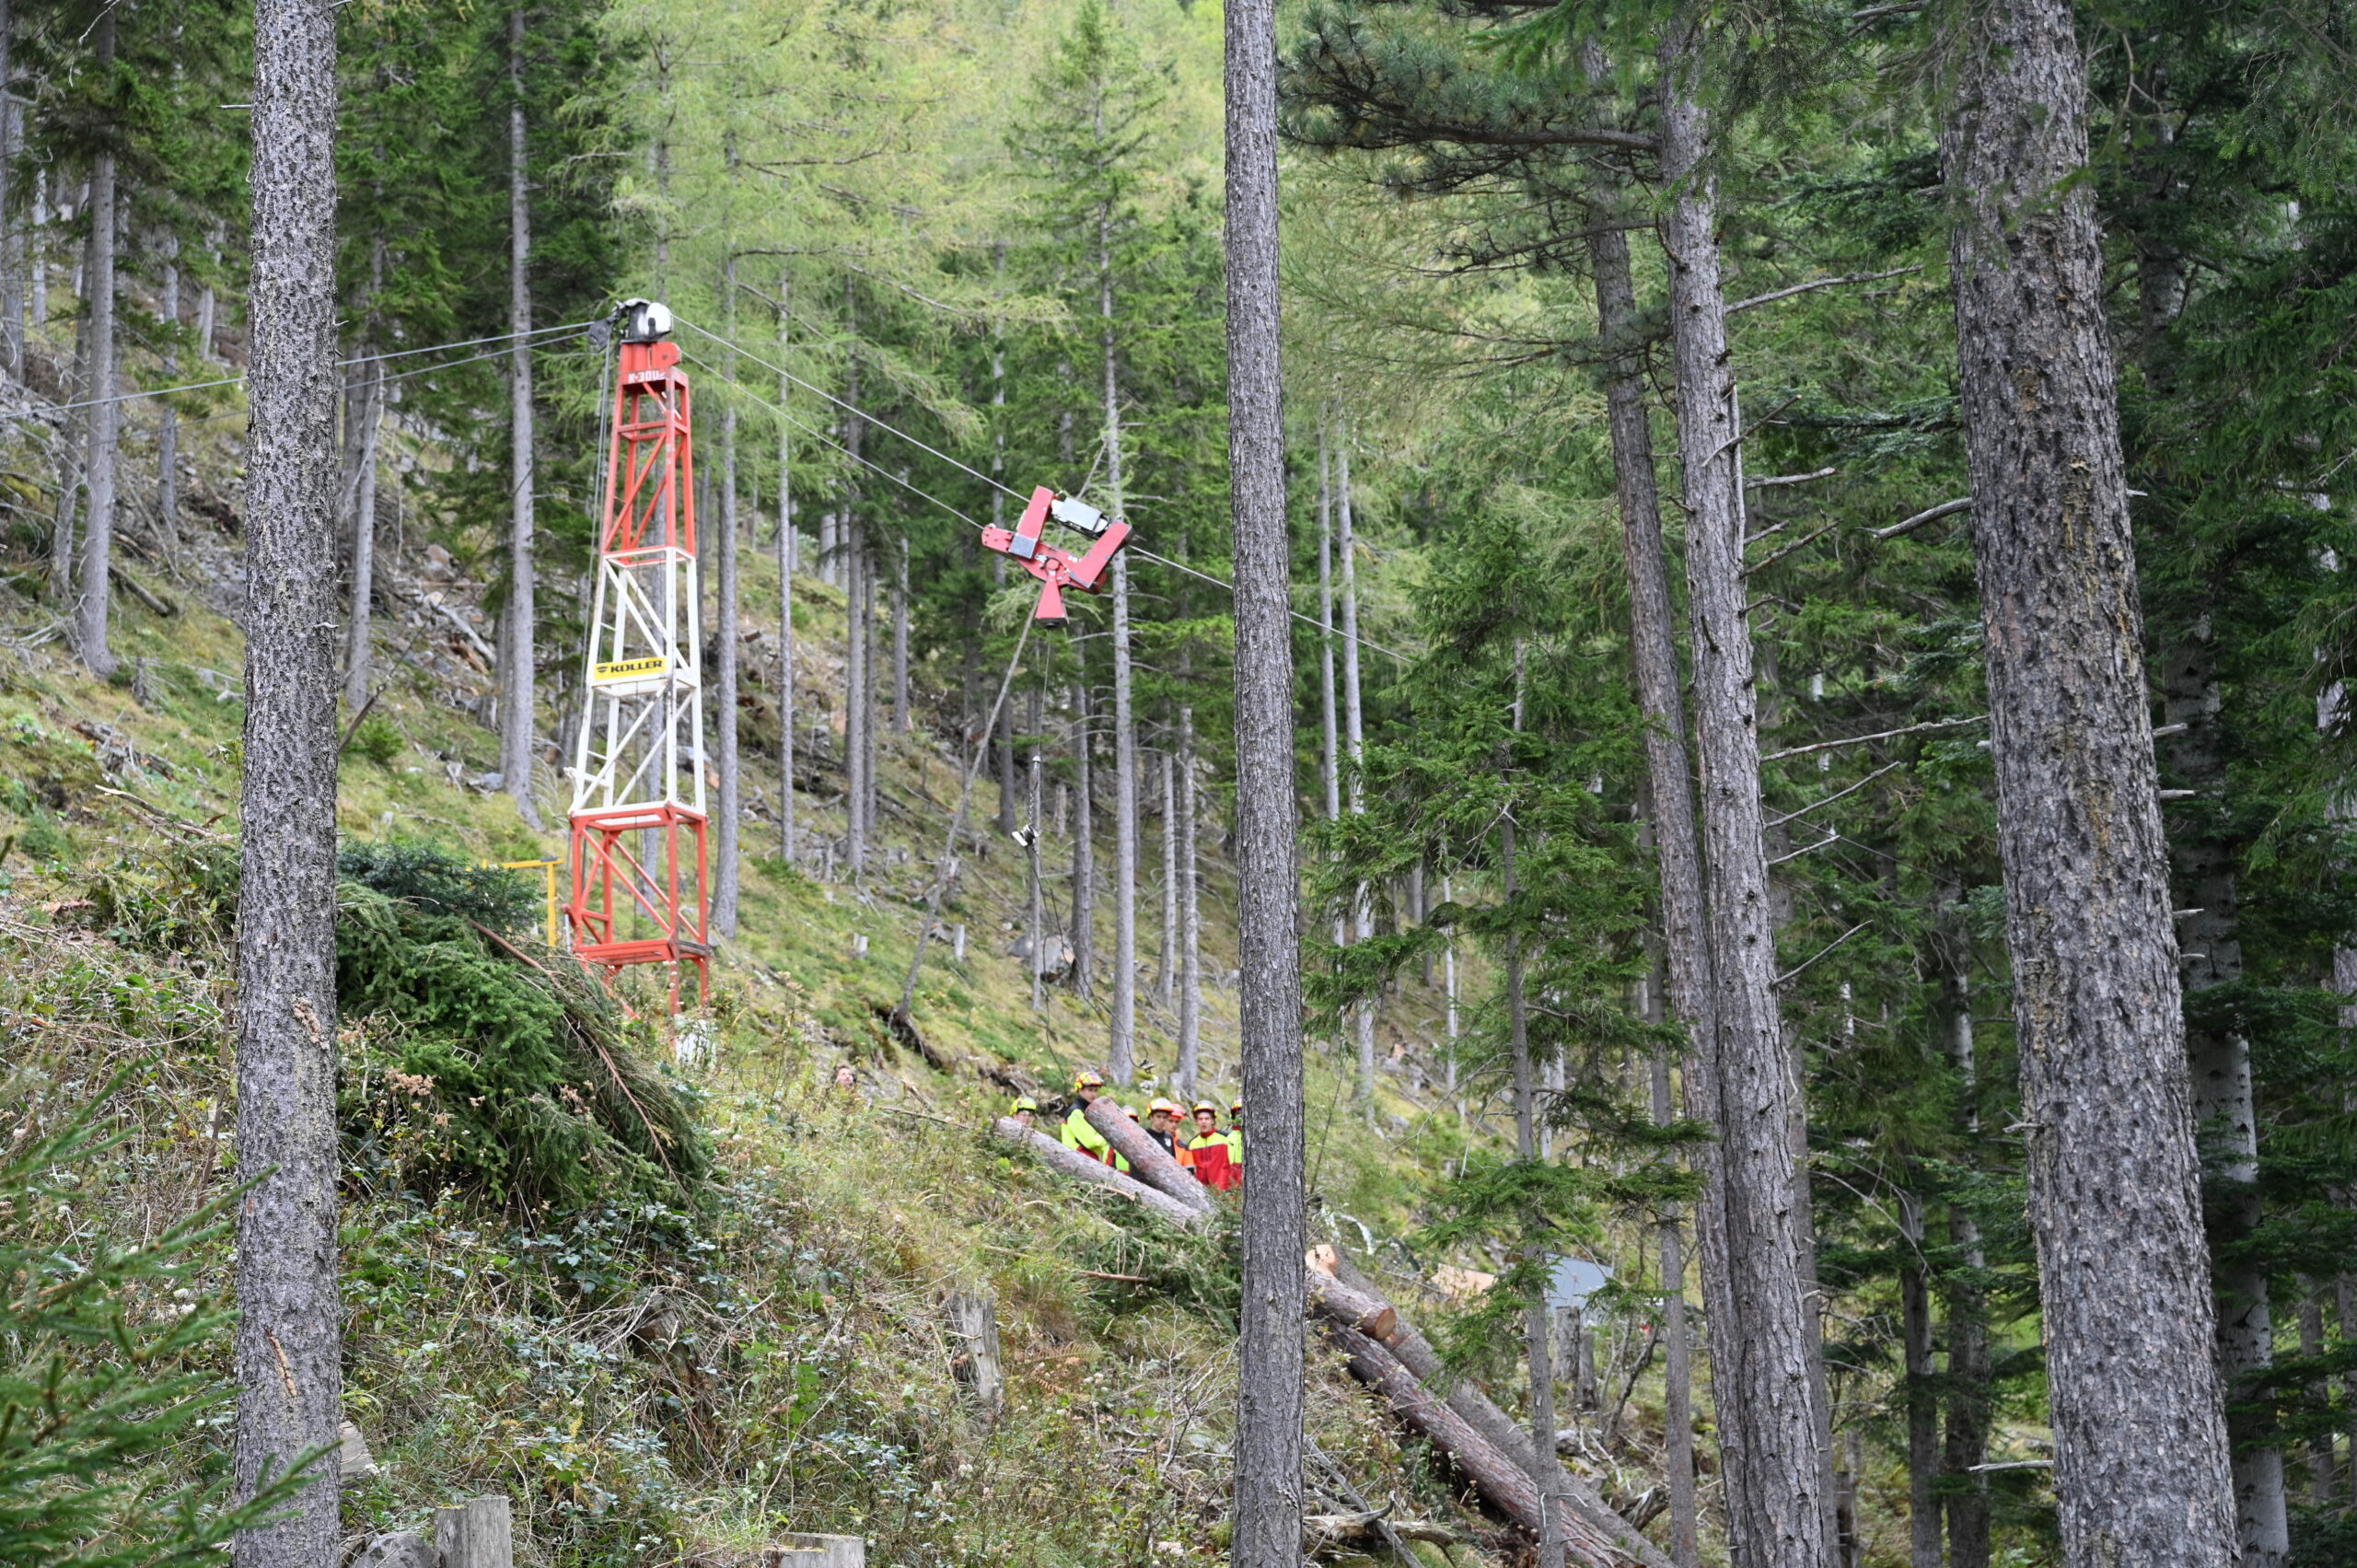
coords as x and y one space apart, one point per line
602 860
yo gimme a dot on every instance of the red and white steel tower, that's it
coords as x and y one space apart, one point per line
638 857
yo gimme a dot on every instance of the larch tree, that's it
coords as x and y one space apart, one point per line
289 1327
519 645
1267 1489
2142 1472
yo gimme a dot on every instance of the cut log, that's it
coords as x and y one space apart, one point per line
1072 1163
1148 1160
1352 1308
1592 1516
1504 1485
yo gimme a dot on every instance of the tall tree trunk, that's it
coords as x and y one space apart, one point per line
1537 1346
2141 1462
167 425
517 681
73 451
39 243
12 296
1267 1491
1166 974
1121 1056
1355 734
727 799
1005 733
854 705
1084 841
2225 1114
871 663
1330 755
1921 1397
901 635
289 1337
1964 1301
784 581
1033 832
1678 1370
106 414
366 411
1191 964
1774 1435
1677 846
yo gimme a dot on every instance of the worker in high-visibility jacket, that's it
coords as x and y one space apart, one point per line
1162 1118
1236 1138
1077 1133
1207 1153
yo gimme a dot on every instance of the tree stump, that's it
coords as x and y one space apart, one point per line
973 1319
478 1533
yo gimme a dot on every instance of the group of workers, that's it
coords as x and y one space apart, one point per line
1191 1138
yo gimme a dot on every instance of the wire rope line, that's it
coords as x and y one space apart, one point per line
946 867
340 364
1142 555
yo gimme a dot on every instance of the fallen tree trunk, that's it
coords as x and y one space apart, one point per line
1072 1163
1505 1485
1340 1294
1149 1162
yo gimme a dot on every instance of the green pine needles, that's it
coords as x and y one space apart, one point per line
470 1062
101 1371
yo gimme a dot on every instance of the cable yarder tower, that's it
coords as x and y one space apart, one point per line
639 879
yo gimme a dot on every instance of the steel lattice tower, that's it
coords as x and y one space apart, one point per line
638 768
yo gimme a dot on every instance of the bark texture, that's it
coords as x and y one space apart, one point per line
1269 1360
289 1324
1762 1361
517 680
2141 1464
1678 849
90 632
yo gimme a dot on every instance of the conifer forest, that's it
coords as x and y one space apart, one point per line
1482 784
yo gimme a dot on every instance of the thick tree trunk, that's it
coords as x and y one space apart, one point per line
2224 1112
1538 1339
1083 836
1774 1432
1677 848
1354 735
1268 1496
289 1325
2140 1460
727 795
1191 964
517 682
784 581
106 414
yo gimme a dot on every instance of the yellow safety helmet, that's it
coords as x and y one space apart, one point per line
1168 1107
1022 1103
1204 1105
1085 1079
1131 1112
1236 1108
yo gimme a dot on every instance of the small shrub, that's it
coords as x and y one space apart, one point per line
378 740
100 1384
